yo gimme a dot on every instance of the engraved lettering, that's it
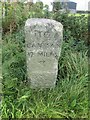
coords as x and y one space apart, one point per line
30 54
40 53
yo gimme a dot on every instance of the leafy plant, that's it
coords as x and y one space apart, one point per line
77 26
13 16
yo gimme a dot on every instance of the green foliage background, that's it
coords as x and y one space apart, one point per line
69 99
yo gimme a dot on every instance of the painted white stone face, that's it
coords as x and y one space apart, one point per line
43 46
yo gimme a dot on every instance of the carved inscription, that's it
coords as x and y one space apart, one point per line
43 53
43 45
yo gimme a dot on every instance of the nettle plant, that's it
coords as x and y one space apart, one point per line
13 16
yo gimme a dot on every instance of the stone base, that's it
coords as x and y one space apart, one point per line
43 80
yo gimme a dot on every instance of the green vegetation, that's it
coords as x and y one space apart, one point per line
69 99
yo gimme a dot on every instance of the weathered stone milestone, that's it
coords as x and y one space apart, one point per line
43 46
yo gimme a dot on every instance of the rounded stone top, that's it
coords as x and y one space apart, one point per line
44 22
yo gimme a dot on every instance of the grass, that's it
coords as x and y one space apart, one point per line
69 99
